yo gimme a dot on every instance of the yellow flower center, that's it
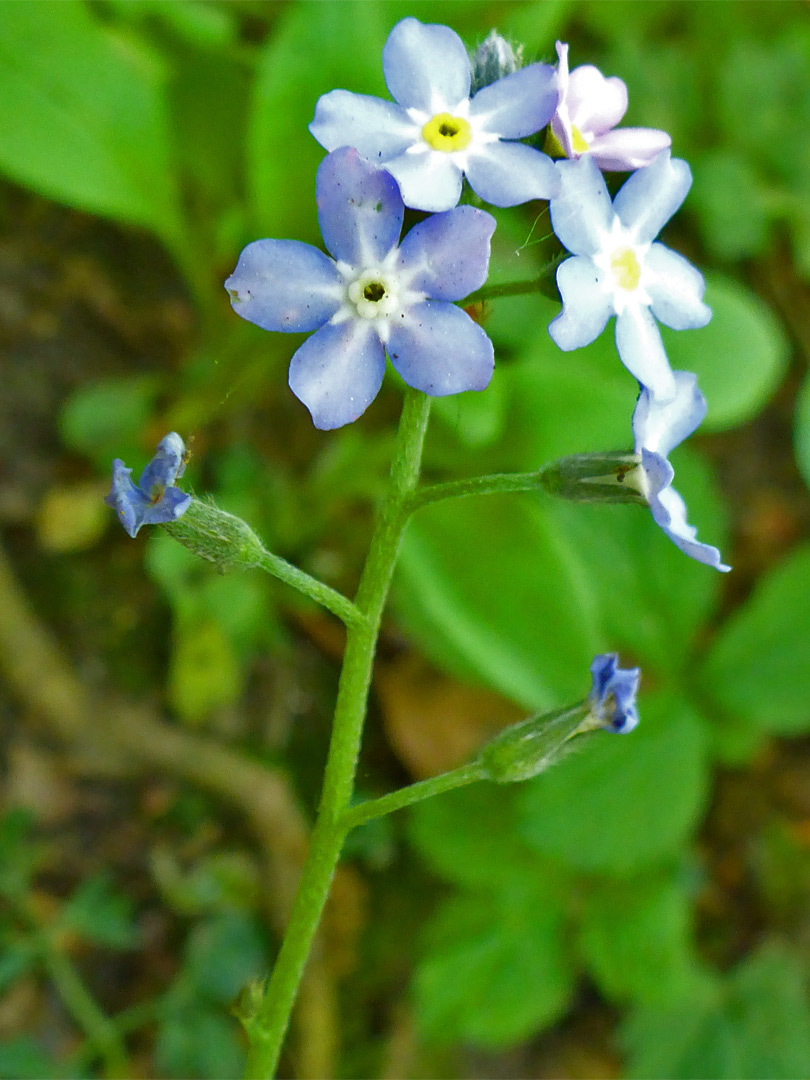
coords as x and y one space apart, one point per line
447 133
626 269
578 141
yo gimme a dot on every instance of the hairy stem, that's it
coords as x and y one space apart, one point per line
414 793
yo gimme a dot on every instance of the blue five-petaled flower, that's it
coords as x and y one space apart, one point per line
153 500
374 296
436 133
612 699
618 270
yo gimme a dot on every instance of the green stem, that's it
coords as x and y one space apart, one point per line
544 283
496 484
268 1025
333 601
407 796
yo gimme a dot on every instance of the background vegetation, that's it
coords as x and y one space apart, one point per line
642 910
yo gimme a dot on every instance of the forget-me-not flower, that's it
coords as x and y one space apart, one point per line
658 427
612 699
590 106
435 133
618 270
153 500
374 296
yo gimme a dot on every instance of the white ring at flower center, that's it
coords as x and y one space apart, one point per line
374 294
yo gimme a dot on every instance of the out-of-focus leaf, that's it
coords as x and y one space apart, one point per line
204 672
635 939
495 969
802 433
100 914
740 357
755 1023
22 1059
205 25
17 957
623 801
757 670
106 419
730 198
199 1041
223 953
20 855
82 116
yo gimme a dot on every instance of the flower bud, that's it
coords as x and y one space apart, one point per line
218 537
493 59
616 478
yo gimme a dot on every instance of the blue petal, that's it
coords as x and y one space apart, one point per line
171 506
126 499
586 305
649 198
641 350
510 173
518 104
581 213
338 372
676 289
284 285
437 348
377 129
426 67
613 693
359 208
660 426
669 512
447 256
166 466
430 180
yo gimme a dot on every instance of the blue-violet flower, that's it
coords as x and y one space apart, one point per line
618 270
154 500
612 699
590 106
658 427
436 132
373 296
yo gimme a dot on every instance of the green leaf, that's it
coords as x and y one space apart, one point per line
22 1059
82 116
223 953
204 672
740 357
730 198
198 1041
496 970
106 419
757 668
100 914
802 434
492 593
624 801
636 941
21 856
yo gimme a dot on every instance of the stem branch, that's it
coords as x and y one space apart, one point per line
414 793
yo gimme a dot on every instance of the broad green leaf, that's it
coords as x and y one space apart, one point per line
757 670
625 801
223 953
495 969
82 116
730 198
740 357
489 589
635 939
199 1041
99 913
22 1059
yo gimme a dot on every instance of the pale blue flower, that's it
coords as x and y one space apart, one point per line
658 427
612 699
154 500
618 270
374 296
436 133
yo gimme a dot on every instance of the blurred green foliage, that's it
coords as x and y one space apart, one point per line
189 119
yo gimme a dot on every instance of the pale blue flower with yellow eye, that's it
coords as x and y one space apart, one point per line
435 133
153 500
374 296
612 699
658 427
618 270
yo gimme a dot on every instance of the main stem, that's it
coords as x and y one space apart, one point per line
267 1027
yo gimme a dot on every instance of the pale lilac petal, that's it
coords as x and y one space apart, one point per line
660 426
628 148
581 213
338 372
284 285
641 350
360 210
676 289
561 120
511 173
427 181
377 129
437 348
518 104
669 512
586 305
426 66
649 198
595 103
446 256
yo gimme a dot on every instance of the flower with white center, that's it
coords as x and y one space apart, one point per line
436 133
658 427
589 107
374 296
153 500
612 699
618 270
